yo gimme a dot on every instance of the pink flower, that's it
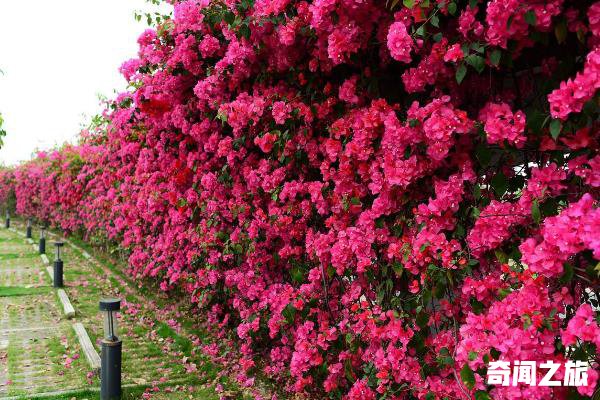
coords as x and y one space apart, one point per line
502 124
209 46
281 111
342 42
572 231
360 391
129 68
583 326
347 91
594 18
266 142
592 382
414 286
572 94
399 42
454 53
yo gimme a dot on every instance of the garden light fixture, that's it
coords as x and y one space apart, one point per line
110 370
58 266
43 240
7 219
28 231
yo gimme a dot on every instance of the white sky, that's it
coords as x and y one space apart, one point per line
57 56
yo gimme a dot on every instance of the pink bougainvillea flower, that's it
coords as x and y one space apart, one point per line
399 42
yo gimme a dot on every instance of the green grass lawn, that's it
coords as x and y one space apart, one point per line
9 291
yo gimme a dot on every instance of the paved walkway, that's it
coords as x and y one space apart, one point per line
36 344
40 353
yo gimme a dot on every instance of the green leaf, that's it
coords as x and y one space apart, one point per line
499 183
461 72
445 360
509 21
581 35
477 306
472 355
536 119
422 319
535 212
478 48
435 21
349 338
502 293
495 353
408 3
438 37
244 31
229 17
452 8
530 18
459 232
495 57
501 256
473 3
568 273
549 207
465 48
348 371
421 31
476 62
526 321
482 395
560 31
477 191
555 128
289 312
222 117
297 274
467 376
483 154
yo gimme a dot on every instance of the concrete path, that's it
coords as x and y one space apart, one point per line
38 351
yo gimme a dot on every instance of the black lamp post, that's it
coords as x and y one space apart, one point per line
58 266
7 219
28 231
110 370
43 240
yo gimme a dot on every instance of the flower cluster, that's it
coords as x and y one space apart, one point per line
501 124
574 93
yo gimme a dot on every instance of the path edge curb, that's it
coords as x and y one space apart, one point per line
66 303
87 347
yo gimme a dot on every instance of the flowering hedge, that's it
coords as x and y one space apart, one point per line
380 198
7 192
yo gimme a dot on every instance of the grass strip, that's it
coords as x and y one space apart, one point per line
10 291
